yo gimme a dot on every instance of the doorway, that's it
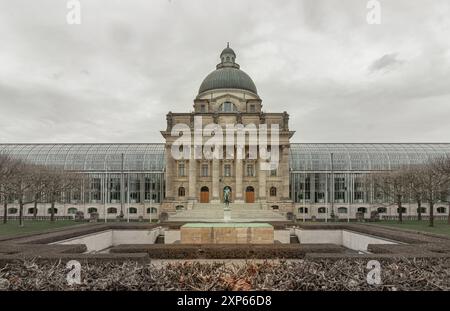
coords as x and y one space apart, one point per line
204 195
250 194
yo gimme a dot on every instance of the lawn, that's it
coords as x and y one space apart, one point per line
440 226
12 227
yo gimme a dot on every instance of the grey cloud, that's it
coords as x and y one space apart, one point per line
113 78
385 62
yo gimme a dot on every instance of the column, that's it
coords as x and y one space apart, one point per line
192 177
284 171
262 182
169 173
238 198
215 181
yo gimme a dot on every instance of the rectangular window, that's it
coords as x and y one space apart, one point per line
250 171
227 170
273 172
95 189
114 190
152 189
252 108
202 108
339 189
135 190
359 190
204 172
181 172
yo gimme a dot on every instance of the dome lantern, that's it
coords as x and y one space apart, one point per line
228 75
227 56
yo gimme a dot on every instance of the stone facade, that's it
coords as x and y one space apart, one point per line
194 180
254 233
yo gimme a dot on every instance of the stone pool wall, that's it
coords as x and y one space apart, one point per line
223 233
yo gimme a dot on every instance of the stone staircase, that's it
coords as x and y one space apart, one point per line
214 212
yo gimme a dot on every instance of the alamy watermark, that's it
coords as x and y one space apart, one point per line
74 275
374 275
73 16
212 141
373 17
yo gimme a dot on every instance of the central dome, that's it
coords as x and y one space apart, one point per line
228 78
228 75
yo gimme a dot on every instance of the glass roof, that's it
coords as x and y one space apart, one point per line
91 157
150 157
361 157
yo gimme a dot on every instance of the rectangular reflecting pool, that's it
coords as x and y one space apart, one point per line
102 241
352 240
256 233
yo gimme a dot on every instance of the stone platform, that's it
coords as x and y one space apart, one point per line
239 212
227 233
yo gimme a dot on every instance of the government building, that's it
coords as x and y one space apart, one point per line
145 181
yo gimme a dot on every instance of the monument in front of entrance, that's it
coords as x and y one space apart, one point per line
227 233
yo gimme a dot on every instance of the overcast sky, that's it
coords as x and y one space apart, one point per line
114 77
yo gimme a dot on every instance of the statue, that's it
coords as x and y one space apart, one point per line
262 118
227 196
239 118
169 119
192 119
285 121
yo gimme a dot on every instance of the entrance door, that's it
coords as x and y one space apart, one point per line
204 195
250 195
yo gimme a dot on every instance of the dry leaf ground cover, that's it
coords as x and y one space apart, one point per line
311 275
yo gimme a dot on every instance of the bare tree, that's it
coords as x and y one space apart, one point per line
394 188
8 167
441 166
435 179
24 183
56 183
416 186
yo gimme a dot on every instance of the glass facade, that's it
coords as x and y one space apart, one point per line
336 173
128 173
134 173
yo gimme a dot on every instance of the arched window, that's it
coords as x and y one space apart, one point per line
112 210
152 210
12 210
273 192
422 210
322 210
342 210
71 211
55 211
302 210
403 210
92 210
228 107
441 210
179 207
275 207
382 210
362 210
132 210
31 210
181 192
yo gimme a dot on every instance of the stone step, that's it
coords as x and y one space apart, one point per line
214 212
231 205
